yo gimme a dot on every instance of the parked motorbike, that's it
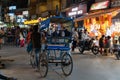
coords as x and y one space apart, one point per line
88 45
116 51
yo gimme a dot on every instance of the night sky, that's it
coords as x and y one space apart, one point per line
18 3
22 3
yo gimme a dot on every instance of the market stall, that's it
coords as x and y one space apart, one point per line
101 22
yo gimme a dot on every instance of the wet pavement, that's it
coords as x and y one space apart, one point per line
86 67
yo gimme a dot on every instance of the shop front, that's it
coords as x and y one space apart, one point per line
34 21
76 11
101 20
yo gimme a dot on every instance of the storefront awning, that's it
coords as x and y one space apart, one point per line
97 14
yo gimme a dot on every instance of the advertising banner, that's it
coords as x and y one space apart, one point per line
77 10
115 3
100 5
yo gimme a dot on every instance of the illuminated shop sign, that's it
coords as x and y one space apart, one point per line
12 7
31 22
35 21
25 13
77 10
100 5
115 3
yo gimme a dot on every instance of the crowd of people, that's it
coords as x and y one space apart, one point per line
19 36
105 43
13 36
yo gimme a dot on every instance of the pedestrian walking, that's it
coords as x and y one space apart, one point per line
28 40
101 44
36 42
22 40
17 36
75 39
107 45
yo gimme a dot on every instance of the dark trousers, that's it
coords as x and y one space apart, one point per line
37 50
17 41
74 44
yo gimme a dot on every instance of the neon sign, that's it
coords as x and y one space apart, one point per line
75 13
31 22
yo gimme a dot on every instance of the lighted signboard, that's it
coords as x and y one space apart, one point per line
11 14
12 7
115 3
20 18
77 10
25 12
31 22
100 5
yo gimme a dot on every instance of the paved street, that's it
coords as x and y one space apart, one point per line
86 67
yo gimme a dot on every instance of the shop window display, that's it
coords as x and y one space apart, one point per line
115 27
102 25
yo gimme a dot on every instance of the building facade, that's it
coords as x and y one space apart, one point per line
45 8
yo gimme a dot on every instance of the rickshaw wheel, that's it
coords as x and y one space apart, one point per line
43 65
32 59
67 64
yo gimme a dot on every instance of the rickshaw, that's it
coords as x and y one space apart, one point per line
57 49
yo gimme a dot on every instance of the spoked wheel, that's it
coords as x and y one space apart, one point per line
67 64
32 59
95 50
43 65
